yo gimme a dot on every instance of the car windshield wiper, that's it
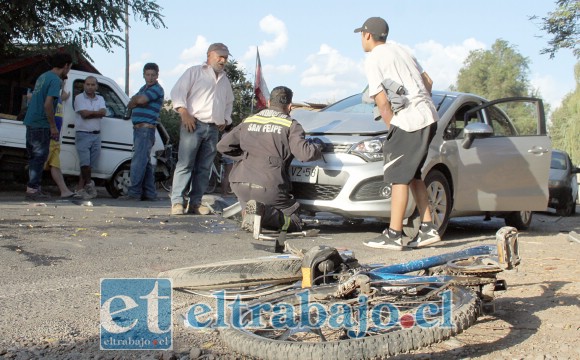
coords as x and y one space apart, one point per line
441 102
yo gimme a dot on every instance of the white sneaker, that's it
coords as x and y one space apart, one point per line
384 241
91 190
82 194
425 237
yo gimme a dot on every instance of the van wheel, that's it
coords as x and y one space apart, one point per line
120 182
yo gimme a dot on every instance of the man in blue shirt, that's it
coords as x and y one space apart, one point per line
145 106
40 123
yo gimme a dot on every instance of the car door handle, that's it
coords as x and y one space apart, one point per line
538 150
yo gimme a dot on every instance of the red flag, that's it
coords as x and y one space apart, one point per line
261 91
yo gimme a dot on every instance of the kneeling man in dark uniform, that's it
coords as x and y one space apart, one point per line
263 146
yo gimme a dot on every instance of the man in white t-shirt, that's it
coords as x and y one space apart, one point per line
89 108
402 93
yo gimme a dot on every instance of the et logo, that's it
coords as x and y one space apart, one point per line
136 314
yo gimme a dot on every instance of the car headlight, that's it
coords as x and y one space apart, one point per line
369 150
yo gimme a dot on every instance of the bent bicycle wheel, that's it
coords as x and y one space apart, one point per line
237 275
414 328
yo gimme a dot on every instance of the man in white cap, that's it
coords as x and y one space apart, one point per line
402 93
203 97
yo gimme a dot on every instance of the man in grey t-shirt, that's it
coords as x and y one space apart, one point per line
412 125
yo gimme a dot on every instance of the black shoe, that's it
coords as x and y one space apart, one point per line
36 196
144 198
128 198
386 241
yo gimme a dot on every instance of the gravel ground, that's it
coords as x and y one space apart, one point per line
53 256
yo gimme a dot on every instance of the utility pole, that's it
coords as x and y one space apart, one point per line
127 47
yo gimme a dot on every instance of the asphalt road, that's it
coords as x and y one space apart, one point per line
53 255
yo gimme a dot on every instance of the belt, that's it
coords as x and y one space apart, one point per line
90 132
206 123
144 125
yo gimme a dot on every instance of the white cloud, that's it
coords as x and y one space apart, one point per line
279 69
442 62
336 76
269 48
197 53
551 91
340 75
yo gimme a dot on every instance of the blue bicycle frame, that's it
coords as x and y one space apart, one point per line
397 272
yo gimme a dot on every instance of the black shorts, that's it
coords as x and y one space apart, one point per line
405 153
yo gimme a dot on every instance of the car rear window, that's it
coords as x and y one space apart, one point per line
558 161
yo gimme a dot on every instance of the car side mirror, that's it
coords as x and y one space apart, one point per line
575 170
475 131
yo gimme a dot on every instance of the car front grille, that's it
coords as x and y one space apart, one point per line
306 191
336 148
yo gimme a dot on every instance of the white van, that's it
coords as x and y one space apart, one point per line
112 170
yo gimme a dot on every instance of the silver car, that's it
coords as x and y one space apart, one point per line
481 161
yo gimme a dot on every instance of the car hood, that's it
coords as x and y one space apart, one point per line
330 122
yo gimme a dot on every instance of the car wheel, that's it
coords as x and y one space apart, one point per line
120 182
521 220
568 209
439 193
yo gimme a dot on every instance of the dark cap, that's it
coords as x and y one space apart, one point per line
219 48
281 95
376 26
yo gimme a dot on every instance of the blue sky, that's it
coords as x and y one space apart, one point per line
310 46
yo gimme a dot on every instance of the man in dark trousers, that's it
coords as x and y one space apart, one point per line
40 123
263 146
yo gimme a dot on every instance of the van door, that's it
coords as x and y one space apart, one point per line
509 170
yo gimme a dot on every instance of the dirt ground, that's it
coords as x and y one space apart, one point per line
52 257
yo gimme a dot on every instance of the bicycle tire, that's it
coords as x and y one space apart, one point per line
166 184
237 273
212 183
465 313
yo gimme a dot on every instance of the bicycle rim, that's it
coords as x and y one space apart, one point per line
245 292
333 342
237 274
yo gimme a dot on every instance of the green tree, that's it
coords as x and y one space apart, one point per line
243 90
562 26
565 126
242 102
81 24
497 73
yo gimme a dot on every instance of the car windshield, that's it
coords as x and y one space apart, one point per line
354 104
558 161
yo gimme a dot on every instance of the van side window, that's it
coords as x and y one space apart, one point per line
114 105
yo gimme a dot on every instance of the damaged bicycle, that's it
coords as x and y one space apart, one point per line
323 303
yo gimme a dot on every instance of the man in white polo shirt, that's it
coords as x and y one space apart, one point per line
89 108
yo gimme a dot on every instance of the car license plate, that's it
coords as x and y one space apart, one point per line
304 174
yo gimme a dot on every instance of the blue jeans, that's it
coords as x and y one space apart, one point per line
38 146
197 150
142 171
